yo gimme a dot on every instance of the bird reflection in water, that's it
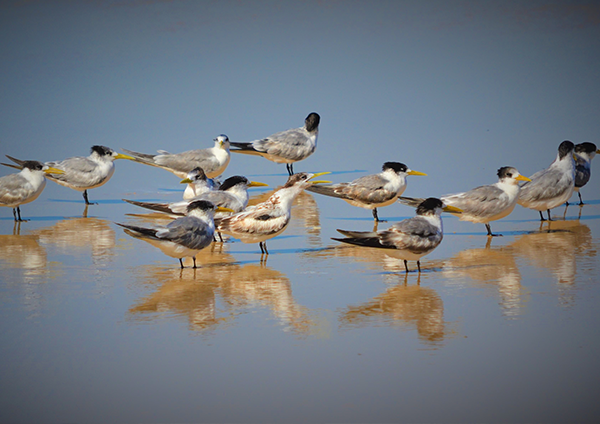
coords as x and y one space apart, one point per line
23 252
558 247
493 268
407 306
74 235
214 294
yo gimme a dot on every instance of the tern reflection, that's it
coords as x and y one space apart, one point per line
558 247
221 289
410 306
490 267
23 252
74 234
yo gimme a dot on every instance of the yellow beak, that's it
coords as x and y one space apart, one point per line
257 184
51 170
222 209
318 174
411 172
522 178
185 181
122 156
451 209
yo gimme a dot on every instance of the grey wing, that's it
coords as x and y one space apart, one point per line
186 161
548 184
414 234
480 201
291 144
187 231
13 188
369 189
77 171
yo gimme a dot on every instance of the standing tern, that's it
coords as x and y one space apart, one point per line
25 186
197 183
584 153
371 191
258 223
232 194
183 237
553 186
485 203
287 146
213 160
410 239
84 173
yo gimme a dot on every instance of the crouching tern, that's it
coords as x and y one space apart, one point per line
288 146
261 222
371 191
486 203
183 237
25 186
213 160
84 173
410 239
553 186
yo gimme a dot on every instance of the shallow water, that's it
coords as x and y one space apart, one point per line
97 326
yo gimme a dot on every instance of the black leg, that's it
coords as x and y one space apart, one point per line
290 168
419 266
542 216
406 265
17 215
220 237
376 217
489 230
580 200
181 263
549 217
265 245
194 259
262 250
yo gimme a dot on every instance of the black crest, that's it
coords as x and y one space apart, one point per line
312 121
395 166
204 205
102 150
33 165
586 147
429 205
565 148
233 181
506 172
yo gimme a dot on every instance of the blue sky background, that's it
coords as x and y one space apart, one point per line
455 89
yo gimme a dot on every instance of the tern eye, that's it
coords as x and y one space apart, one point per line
509 175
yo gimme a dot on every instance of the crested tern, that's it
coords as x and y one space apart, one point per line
212 160
197 183
287 146
410 239
84 173
371 191
183 237
553 186
486 203
261 222
584 153
25 186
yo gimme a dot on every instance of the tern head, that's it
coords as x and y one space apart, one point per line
108 153
238 180
311 123
304 179
586 150
510 173
222 141
204 207
196 174
400 168
565 148
434 206
34 165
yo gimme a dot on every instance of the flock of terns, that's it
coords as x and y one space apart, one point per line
211 208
